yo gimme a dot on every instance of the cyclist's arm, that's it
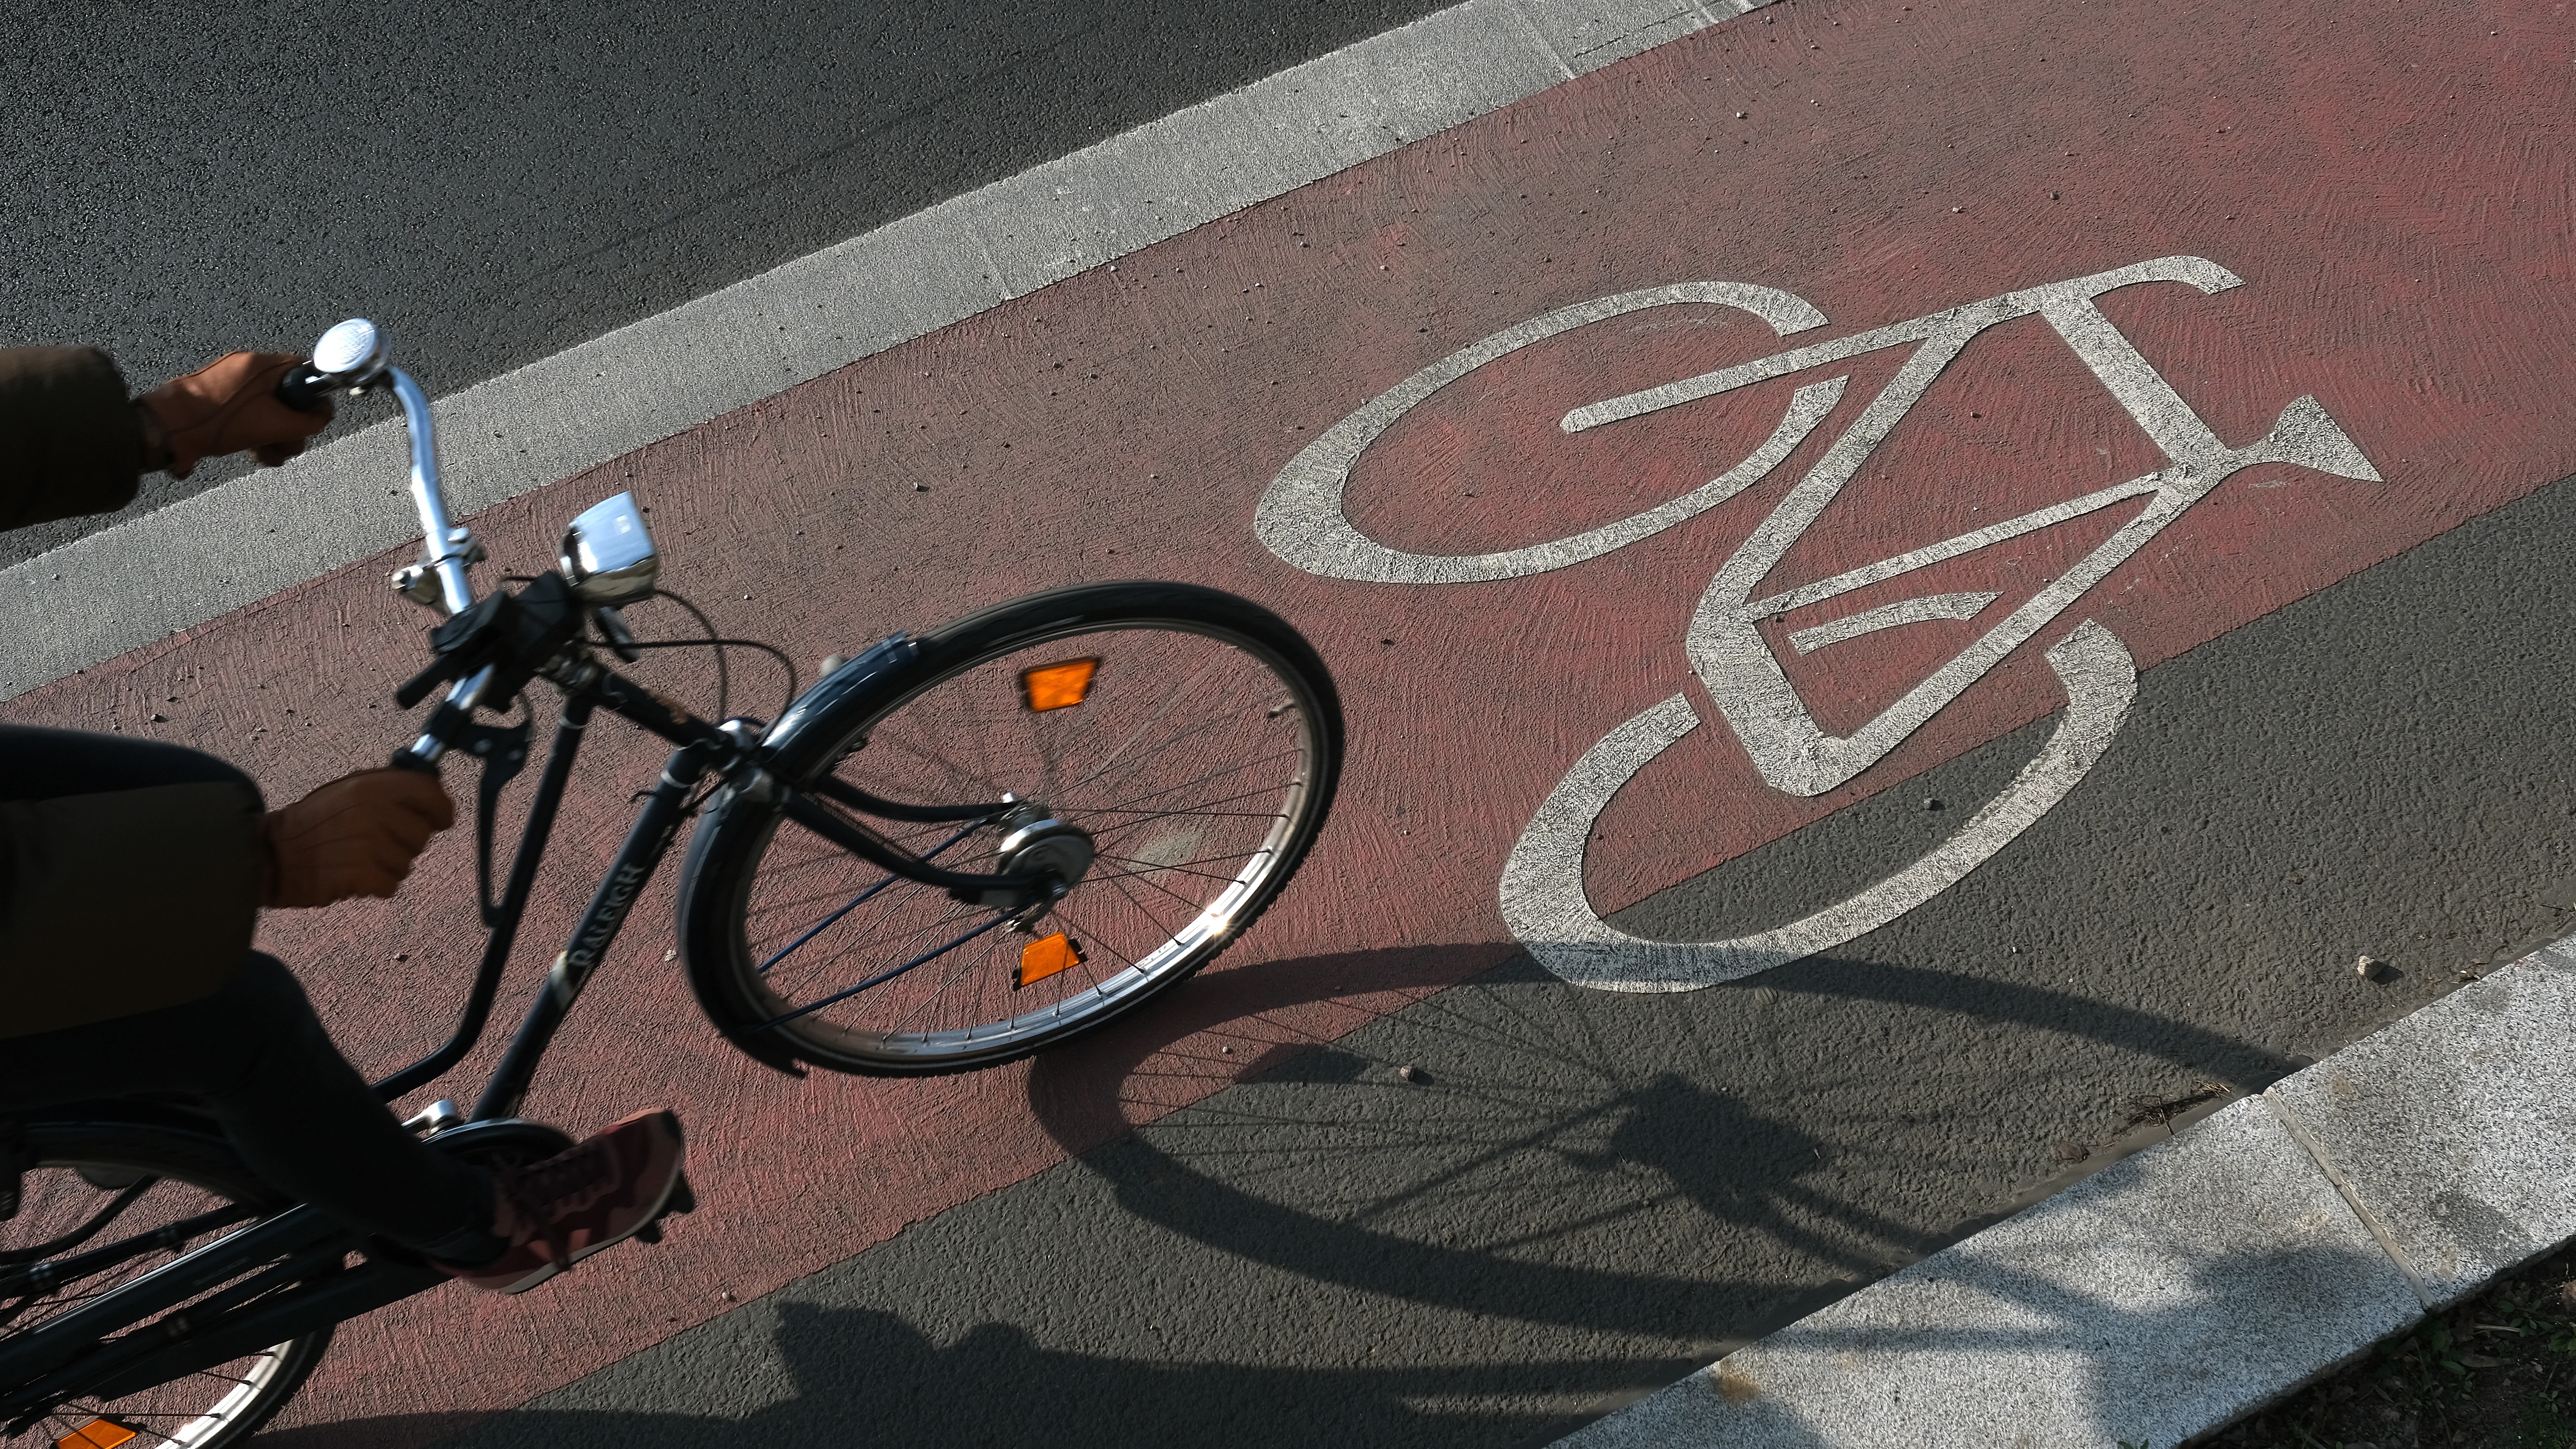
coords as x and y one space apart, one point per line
129 879
71 440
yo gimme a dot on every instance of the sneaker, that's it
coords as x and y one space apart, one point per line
557 1212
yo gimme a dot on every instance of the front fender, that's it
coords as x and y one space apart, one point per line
790 746
792 749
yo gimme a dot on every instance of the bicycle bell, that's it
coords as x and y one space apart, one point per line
350 354
607 554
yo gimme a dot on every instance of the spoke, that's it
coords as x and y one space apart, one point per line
1150 868
819 927
894 938
1128 666
1185 864
1168 746
1168 749
1098 942
1177 864
931 997
1180 814
884 976
807 899
1135 801
1149 915
1155 718
1195 906
122 1412
858 900
802 906
958 776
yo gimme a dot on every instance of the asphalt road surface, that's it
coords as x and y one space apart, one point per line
188 180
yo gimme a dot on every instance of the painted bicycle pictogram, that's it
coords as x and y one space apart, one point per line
1544 903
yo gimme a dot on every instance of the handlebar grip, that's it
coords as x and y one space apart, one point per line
417 688
304 388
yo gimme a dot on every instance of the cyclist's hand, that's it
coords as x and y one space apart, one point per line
356 836
224 407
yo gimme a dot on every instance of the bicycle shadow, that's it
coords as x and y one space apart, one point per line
836 1377
1546 1110
1562 1107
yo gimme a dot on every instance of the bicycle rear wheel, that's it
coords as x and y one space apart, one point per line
125 1183
1174 749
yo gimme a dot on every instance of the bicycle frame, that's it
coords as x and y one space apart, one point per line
288 1275
51 1363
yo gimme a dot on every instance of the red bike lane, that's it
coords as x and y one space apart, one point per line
2393 195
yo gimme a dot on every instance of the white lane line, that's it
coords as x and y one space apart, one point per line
233 545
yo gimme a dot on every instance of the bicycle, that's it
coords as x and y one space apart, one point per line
1024 823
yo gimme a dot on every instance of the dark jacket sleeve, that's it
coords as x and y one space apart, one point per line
122 902
69 441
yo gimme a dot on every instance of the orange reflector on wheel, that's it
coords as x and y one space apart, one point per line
1057 686
1044 957
96 1434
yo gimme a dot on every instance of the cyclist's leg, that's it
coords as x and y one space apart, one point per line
245 1042
37 763
129 876
302 1118
240 1039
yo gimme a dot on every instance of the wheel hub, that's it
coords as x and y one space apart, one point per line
1035 842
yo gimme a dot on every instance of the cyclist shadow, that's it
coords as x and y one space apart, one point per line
839 1376
843 1376
830 1374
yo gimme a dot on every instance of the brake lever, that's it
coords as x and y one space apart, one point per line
441 670
503 749
612 627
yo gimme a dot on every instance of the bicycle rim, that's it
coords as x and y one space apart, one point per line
1197 763
78 1177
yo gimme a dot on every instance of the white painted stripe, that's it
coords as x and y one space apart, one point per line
233 545
1544 902
1890 616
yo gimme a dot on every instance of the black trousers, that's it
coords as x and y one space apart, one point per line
253 1054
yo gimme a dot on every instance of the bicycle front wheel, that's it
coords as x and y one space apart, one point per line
103 1203
1172 749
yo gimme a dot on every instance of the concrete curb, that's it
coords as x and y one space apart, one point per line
2182 1289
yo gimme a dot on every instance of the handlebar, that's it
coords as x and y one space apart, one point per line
351 357
305 388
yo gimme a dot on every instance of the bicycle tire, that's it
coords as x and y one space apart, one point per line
1162 655
76 1166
